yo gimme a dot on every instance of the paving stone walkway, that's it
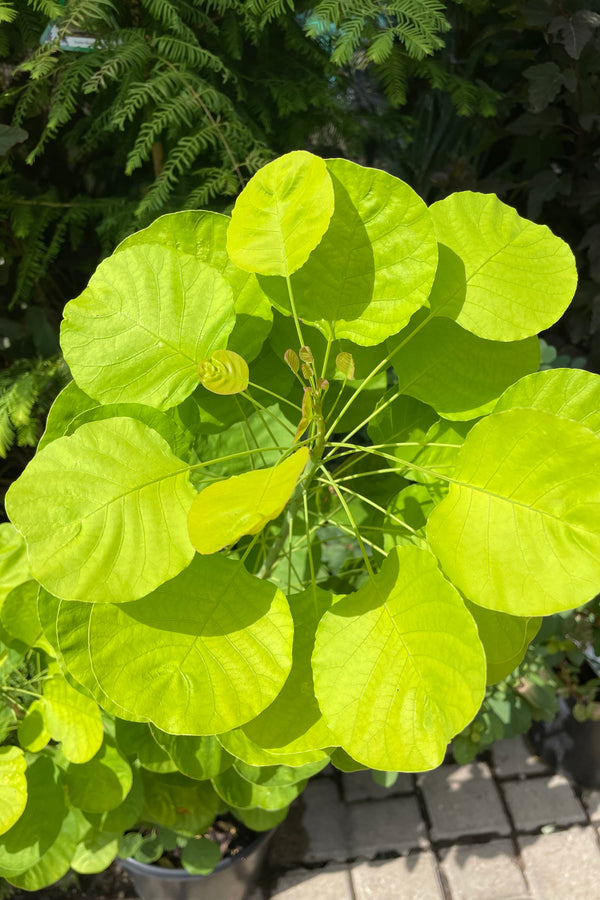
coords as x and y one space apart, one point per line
504 830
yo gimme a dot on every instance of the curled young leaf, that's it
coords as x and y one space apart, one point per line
224 372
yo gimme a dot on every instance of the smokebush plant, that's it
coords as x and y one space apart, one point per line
307 492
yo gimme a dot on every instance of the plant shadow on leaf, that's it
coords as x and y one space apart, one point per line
344 254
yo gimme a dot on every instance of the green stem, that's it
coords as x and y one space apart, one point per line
351 520
294 313
273 394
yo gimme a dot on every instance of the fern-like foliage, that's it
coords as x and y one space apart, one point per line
27 389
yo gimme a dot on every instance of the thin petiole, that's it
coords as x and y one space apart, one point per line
351 520
273 394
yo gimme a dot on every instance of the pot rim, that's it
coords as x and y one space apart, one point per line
149 869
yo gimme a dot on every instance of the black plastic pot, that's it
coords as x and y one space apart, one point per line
233 879
569 746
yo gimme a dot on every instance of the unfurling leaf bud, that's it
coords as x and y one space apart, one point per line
323 384
225 372
292 360
345 363
306 355
307 371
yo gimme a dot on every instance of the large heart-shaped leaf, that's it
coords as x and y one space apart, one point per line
243 504
203 235
519 276
375 264
281 215
203 653
13 786
398 666
147 317
572 393
519 530
120 528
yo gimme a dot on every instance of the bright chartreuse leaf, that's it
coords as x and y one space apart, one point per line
33 732
120 528
439 452
375 265
14 567
95 852
293 722
135 739
203 235
457 373
278 776
239 745
128 812
13 786
102 783
39 825
238 792
519 530
72 408
281 215
147 317
55 860
73 719
225 372
200 856
505 639
215 641
398 666
243 504
197 757
519 276
571 393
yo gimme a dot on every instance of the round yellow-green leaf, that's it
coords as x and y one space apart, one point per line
14 568
146 318
73 719
104 512
519 530
33 731
243 504
520 277
398 666
281 215
55 861
203 235
13 786
100 784
203 653
505 639
570 393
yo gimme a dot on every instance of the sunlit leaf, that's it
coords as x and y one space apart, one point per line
73 719
520 277
281 215
571 393
242 504
13 786
215 641
505 639
398 666
121 526
519 531
225 372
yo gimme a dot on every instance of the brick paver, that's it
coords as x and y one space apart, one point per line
360 786
591 800
542 801
331 883
462 801
512 757
380 826
413 877
564 865
324 821
490 871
